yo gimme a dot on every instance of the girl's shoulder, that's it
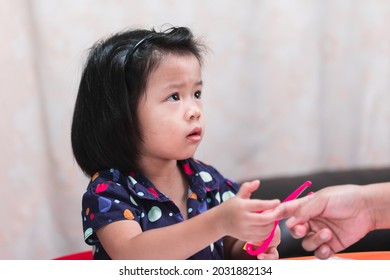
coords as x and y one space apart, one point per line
109 175
112 182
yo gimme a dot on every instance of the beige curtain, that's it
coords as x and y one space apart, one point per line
290 87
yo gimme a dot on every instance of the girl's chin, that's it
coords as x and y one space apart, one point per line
185 156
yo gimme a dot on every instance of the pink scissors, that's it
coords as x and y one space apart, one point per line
249 247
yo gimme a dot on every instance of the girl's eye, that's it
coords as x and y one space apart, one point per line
198 94
174 97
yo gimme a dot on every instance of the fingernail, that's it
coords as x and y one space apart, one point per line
324 251
324 236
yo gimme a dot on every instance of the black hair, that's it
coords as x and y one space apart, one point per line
105 129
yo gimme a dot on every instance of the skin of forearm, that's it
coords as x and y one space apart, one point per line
378 197
178 241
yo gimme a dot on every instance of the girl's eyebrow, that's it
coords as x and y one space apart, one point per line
180 84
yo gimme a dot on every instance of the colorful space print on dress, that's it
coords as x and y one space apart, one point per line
113 196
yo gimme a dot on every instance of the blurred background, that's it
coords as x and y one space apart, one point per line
290 87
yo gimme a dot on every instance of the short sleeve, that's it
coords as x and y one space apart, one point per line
104 203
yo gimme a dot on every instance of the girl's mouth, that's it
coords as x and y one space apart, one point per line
195 135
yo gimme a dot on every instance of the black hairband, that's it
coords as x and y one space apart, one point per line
136 46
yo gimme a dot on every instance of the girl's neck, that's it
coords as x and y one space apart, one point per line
166 176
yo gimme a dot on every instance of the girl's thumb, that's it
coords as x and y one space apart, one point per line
248 188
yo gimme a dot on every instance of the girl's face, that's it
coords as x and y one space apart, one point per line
170 113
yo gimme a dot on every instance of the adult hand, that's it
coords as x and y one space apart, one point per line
329 220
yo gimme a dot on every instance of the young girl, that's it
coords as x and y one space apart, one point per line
137 123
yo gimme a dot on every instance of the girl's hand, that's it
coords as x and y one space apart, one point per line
241 220
271 253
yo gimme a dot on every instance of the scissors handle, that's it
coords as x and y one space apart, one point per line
298 191
264 245
249 247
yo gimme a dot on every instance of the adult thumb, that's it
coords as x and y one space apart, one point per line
248 188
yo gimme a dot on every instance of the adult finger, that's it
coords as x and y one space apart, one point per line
323 252
313 241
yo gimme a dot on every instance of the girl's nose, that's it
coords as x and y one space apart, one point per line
194 113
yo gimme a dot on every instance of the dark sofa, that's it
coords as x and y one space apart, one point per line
280 187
